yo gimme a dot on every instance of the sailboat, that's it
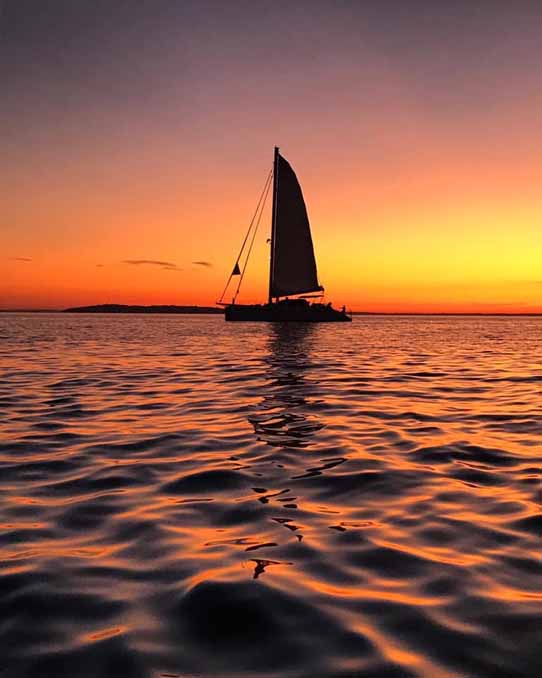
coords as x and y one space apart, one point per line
292 266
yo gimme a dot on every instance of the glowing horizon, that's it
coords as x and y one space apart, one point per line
145 137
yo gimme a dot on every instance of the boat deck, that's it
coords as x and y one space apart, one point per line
296 310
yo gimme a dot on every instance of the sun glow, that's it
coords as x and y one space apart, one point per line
422 184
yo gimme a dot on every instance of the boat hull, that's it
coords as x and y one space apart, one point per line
285 312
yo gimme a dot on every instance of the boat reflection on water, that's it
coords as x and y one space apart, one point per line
283 420
283 417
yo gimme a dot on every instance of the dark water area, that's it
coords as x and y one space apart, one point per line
180 496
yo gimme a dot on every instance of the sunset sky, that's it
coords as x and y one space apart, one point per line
137 136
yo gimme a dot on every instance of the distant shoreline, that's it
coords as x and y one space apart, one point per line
212 310
129 308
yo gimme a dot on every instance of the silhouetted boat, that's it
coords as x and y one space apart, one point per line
292 269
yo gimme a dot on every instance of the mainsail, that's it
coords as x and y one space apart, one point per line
293 267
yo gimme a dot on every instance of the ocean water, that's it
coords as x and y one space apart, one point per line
180 496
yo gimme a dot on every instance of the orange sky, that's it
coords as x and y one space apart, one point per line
148 137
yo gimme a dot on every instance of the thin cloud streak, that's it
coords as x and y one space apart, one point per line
207 264
166 265
20 259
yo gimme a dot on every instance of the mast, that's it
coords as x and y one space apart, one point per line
273 219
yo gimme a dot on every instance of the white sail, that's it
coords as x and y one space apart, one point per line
293 267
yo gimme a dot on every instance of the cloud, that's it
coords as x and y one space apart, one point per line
20 259
207 264
99 265
166 265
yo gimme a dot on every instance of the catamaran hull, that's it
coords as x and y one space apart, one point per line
285 313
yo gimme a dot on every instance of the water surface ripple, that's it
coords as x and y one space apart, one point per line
187 497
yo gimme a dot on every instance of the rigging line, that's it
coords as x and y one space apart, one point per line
254 235
255 213
264 192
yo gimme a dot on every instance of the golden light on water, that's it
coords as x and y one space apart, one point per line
315 498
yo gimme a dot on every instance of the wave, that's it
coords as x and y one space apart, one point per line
187 497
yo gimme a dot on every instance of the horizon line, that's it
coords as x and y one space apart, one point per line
370 313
